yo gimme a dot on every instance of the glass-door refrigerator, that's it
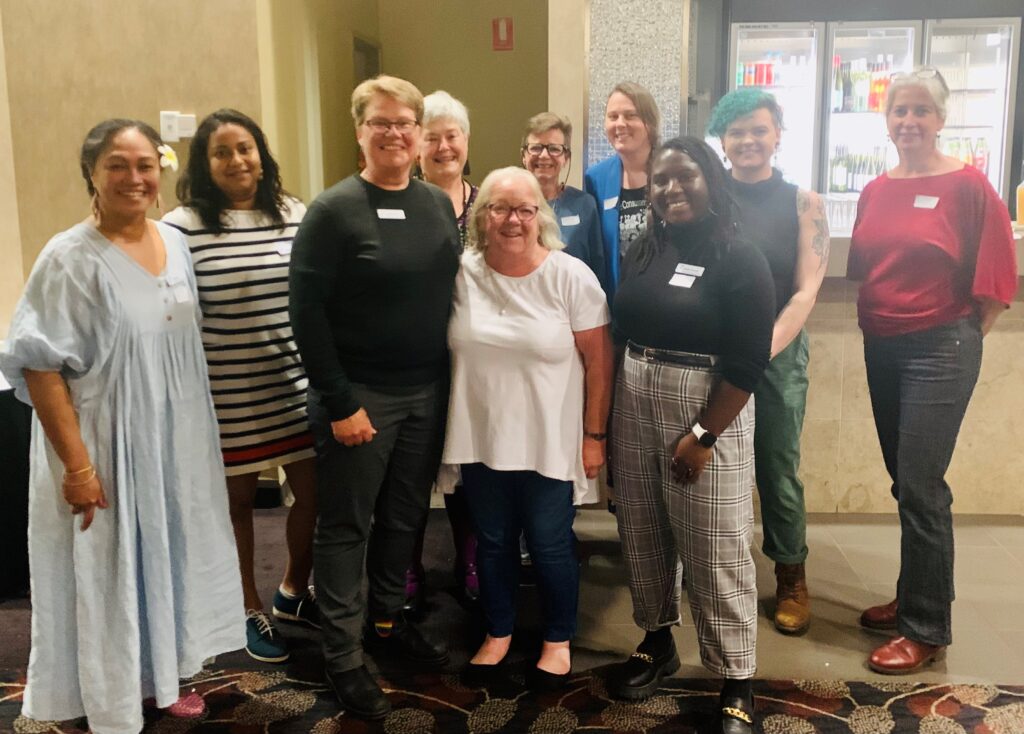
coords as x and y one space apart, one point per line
783 58
977 58
863 57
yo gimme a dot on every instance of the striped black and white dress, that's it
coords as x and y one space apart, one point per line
256 375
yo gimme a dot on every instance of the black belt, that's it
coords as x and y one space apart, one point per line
685 359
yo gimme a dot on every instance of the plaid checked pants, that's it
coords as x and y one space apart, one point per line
702 528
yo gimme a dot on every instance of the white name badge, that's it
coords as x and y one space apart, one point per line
284 249
391 213
570 221
681 280
181 292
687 269
925 202
610 203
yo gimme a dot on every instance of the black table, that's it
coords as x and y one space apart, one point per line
15 429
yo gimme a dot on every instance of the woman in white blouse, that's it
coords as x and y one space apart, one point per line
531 379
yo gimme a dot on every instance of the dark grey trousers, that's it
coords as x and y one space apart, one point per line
920 386
371 502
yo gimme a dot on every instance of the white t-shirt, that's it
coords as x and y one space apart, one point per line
517 377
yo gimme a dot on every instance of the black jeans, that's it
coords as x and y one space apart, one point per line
920 386
386 481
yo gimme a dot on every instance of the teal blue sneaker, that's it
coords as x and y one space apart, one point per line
301 609
262 641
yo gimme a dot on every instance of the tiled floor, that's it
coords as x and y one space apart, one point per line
853 563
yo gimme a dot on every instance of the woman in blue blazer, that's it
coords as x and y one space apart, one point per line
619 183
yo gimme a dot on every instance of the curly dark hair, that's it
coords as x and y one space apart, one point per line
197 190
721 216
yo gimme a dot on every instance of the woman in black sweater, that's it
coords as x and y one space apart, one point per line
694 311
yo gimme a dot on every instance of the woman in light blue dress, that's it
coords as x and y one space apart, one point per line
105 345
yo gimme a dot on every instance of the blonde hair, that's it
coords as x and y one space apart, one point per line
399 90
548 228
927 78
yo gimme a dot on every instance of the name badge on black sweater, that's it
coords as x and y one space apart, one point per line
391 213
685 275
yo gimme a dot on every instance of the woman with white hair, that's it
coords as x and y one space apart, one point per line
531 378
444 148
933 249
444 152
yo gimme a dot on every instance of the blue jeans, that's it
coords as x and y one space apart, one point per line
503 505
920 386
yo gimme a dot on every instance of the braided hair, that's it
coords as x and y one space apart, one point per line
721 215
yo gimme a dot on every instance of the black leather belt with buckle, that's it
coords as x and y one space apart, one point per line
684 359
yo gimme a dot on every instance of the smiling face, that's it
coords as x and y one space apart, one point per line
622 124
443 151
235 165
391 151
750 142
913 120
509 234
127 176
545 166
679 192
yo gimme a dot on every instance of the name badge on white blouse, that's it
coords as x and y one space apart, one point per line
181 293
610 203
284 249
570 220
925 202
391 213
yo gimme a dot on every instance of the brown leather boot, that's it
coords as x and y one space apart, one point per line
792 603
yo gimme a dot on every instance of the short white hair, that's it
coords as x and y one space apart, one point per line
548 228
440 105
927 78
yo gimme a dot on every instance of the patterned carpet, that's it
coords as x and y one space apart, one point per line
271 702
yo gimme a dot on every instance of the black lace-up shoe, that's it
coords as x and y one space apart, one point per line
359 694
405 641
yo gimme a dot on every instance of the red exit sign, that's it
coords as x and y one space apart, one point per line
502 35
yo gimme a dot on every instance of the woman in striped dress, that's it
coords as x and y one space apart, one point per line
239 223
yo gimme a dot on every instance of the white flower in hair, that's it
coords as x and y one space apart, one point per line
168 158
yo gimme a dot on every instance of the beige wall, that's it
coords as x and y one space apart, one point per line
446 44
72 64
307 77
842 465
568 36
11 274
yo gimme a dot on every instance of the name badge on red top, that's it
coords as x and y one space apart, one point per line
925 202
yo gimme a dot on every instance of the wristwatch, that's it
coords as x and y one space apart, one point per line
704 437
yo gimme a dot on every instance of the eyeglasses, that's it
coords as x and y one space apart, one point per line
555 150
381 126
924 72
525 212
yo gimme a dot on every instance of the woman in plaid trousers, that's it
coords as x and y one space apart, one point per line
694 312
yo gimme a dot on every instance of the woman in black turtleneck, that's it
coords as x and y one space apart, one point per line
694 312
789 226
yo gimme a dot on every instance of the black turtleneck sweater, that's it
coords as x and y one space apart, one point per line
768 219
728 309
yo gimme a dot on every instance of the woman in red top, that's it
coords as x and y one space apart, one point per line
934 248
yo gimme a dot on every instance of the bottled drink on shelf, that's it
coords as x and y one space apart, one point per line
966 151
1020 198
739 73
847 88
837 85
748 74
981 155
953 148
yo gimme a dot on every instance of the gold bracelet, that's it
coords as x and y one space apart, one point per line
88 468
89 478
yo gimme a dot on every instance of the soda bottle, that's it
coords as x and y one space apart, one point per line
981 155
1020 198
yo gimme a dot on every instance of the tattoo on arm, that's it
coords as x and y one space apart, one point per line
820 242
803 201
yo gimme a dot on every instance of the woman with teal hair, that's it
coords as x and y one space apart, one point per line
789 226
